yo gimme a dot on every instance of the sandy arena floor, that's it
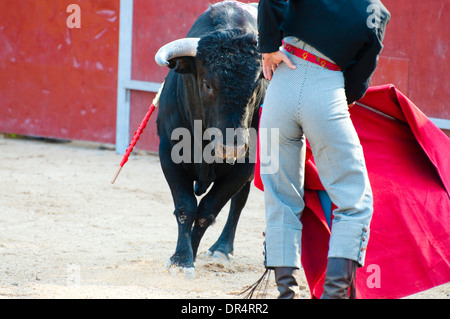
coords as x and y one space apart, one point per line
67 232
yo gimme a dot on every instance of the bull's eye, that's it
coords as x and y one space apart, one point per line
206 87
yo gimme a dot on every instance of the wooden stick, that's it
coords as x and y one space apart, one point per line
117 174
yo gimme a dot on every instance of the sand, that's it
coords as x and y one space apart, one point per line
67 232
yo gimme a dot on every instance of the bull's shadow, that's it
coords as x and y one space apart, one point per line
216 80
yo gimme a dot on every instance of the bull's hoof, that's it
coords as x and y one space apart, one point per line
218 255
221 250
173 269
189 273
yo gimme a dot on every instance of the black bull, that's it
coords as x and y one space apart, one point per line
216 82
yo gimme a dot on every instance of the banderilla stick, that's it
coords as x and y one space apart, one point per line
138 133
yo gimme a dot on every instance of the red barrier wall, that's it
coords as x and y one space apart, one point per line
55 81
416 53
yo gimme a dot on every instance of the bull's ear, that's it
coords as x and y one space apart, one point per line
182 65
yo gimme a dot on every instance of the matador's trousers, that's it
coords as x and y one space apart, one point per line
310 103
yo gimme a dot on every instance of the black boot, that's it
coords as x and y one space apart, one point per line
287 285
339 278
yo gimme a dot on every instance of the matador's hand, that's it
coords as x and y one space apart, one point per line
271 62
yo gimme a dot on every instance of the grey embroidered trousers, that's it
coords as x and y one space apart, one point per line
310 103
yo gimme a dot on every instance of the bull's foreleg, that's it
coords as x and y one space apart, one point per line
210 206
185 208
183 256
225 244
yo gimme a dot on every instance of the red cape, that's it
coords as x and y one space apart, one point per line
408 160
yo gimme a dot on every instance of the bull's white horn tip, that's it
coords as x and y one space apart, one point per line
160 61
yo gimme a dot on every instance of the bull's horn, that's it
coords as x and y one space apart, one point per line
177 48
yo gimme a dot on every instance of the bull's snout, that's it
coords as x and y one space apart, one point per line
231 153
235 149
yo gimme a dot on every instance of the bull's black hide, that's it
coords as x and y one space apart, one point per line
218 86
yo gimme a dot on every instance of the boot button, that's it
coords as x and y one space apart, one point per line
365 229
364 238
